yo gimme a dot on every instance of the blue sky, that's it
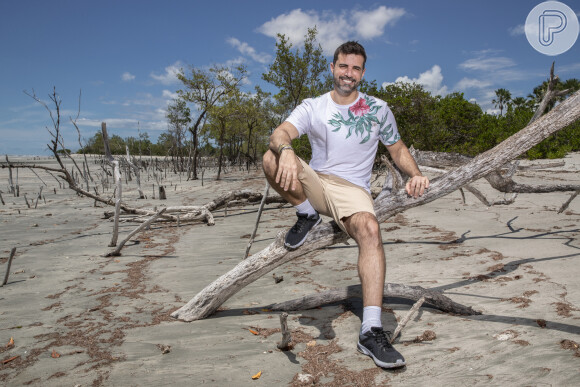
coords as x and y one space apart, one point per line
123 55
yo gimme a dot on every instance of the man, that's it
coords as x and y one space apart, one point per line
344 127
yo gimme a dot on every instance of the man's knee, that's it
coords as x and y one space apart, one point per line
269 163
364 226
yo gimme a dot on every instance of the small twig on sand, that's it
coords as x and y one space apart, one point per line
286 337
406 319
8 267
565 205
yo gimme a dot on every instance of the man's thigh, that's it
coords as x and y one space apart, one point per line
333 196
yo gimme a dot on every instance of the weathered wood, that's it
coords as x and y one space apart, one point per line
260 209
145 224
567 203
137 172
12 253
407 317
286 337
118 182
162 195
433 297
204 212
326 234
550 94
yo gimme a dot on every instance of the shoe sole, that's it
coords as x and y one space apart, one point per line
398 364
300 243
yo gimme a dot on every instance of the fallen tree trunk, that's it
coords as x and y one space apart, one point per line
435 298
386 205
192 213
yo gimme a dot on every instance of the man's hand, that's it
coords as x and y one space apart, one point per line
417 185
288 168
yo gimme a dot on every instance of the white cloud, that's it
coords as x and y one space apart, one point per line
371 24
487 64
471 83
127 77
170 75
333 28
169 94
517 30
431 80
570 68
248 50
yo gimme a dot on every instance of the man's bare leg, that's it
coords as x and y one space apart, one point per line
270 166
373 340
364 228
307 216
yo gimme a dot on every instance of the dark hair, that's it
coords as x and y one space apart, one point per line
350 47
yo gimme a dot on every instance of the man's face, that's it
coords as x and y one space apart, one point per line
347 72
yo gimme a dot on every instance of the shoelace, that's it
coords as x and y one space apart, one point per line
383 338
302 220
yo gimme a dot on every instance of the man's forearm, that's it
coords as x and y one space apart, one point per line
278 140
281 137
406 162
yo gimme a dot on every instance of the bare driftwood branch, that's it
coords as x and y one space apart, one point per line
257 220
119 189
550 94
565 205
286 337
204 212
407 317
137 172
12 252
434 298
144 225
326 234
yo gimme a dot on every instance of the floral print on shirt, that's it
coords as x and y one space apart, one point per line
361 118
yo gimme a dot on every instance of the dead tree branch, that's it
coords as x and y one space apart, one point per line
252 268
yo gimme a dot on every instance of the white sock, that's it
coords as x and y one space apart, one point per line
371 318
305 208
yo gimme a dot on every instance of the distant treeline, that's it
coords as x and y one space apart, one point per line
431 123
230 124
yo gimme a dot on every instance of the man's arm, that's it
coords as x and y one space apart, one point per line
288 164
402 157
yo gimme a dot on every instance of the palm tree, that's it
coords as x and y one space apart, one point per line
503 97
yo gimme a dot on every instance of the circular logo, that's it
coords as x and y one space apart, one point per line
552 28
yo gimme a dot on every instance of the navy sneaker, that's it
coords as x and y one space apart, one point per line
297 234
376 343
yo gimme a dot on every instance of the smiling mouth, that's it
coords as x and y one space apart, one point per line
347 79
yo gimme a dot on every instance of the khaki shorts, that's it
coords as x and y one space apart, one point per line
333 196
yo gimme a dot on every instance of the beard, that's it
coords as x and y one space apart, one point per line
345 88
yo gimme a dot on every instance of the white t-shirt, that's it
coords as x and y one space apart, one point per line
344 138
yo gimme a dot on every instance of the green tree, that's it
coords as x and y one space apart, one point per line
254 114
221 120
178 117
298 74
502 98
457 124
414 110
205 89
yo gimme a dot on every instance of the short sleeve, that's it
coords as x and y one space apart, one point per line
388 131
301 117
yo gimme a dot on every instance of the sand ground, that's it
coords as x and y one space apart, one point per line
79 318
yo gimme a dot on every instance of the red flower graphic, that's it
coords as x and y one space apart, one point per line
360 108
